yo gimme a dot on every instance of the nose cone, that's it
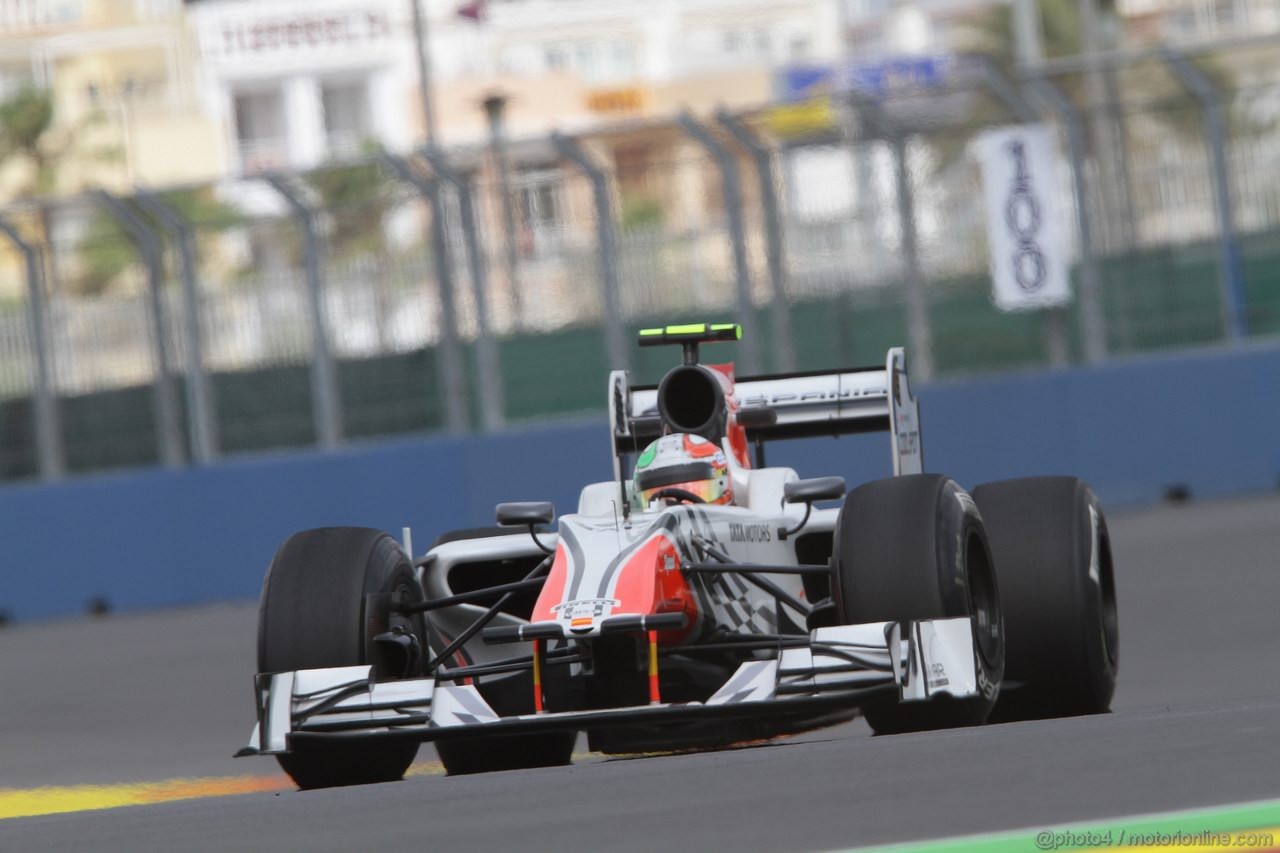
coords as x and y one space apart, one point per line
601 571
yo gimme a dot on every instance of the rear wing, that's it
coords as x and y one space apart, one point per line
793 405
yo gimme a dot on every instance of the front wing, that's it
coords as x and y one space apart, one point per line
838 668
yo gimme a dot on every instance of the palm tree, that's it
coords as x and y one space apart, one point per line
29 135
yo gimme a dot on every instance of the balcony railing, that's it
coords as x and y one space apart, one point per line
24 15
262 155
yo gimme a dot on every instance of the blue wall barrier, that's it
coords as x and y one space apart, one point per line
1208 421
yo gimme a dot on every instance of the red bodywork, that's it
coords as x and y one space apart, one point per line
650 582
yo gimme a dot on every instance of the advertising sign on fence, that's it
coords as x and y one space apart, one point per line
1024 233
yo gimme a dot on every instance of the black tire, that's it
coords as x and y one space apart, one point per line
1062 626
326 595
513 752
911 548
507 696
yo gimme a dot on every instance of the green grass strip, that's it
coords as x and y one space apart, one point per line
1092 835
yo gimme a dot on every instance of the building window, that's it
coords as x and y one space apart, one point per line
1226 16
541 216
346 117
260 134
622 62
751 44
595 63
556 58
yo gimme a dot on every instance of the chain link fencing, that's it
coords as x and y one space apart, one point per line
386 296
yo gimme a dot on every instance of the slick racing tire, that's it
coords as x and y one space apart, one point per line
327 594
1057 583
508 696
512 752
911 548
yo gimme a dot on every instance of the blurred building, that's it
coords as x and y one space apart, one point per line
617 75
589 62
119 74
293 83
1190 21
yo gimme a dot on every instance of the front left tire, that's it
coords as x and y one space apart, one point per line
911 548
1052 550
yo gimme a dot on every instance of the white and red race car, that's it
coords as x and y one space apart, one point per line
652 620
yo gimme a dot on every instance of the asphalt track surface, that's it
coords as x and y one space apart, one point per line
1195 722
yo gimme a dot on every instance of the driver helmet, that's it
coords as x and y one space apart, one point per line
686 462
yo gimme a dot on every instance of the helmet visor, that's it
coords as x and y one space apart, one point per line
708 491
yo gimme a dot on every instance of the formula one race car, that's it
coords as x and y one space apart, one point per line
696 600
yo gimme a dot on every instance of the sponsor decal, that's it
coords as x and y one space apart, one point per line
749 532
1095 574
584 609
985 685
937 676
747 401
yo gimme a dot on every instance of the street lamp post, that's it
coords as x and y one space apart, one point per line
422 47
495 106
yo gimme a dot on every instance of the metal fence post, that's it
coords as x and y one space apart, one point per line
453 385
48 428
732 182
324 379
1235 317
168 417
488 361
614 336
1092 319
200 405
1004 90
783 345
919 330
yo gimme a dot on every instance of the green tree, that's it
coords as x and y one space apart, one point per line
26 119
29 135
355 198
105 250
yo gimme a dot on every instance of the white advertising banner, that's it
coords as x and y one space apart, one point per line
1024 232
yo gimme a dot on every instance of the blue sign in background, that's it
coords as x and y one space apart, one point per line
876 78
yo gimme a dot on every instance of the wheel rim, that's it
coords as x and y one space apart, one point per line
984 600
397 622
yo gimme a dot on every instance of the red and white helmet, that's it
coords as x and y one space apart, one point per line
682 463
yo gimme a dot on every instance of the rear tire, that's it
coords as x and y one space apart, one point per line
327 594
911 548
1053 561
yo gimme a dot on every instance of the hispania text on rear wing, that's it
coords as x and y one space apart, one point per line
768 408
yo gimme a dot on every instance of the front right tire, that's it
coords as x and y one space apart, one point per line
327 594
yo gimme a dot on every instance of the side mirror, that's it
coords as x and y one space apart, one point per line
525 513
807 492
814 490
